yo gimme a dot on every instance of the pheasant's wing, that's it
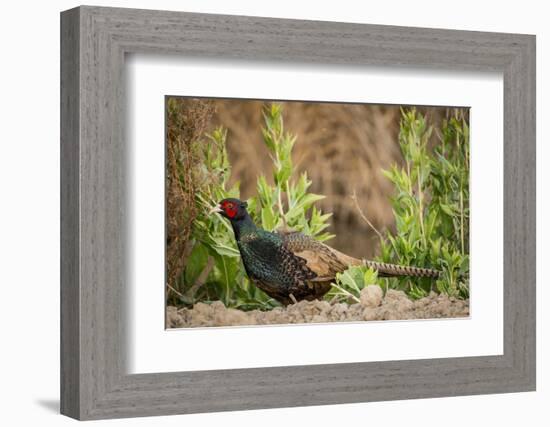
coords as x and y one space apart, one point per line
326 261
272 262
323 260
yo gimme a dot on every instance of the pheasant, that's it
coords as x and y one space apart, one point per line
290 266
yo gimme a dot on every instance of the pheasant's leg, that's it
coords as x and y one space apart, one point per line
293 298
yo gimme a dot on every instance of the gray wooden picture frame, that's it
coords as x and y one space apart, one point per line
94 41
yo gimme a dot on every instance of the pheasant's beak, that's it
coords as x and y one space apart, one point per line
216 208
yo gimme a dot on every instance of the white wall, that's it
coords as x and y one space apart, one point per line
29 225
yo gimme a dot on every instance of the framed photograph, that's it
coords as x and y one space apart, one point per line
273 259
261 213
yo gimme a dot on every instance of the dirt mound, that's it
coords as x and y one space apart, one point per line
395 305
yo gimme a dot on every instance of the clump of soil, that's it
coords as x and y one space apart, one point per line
395 305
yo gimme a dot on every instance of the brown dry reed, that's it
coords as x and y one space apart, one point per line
186 123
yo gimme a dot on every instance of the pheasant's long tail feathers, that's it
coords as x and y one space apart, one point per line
385 269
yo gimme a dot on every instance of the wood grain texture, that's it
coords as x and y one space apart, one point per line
70 257
94 270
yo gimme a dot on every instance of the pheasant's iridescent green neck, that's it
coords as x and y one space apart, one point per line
243 226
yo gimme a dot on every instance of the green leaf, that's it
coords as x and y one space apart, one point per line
269 218
447 209
283 174
195 263
225 250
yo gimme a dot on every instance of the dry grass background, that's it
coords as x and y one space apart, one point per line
186 125
343 147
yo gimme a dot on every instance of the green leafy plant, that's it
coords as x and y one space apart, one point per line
431 205
431 210
349 283
287 203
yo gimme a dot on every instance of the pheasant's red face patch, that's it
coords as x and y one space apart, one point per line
230 209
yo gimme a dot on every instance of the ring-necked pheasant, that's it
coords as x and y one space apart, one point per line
291 266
